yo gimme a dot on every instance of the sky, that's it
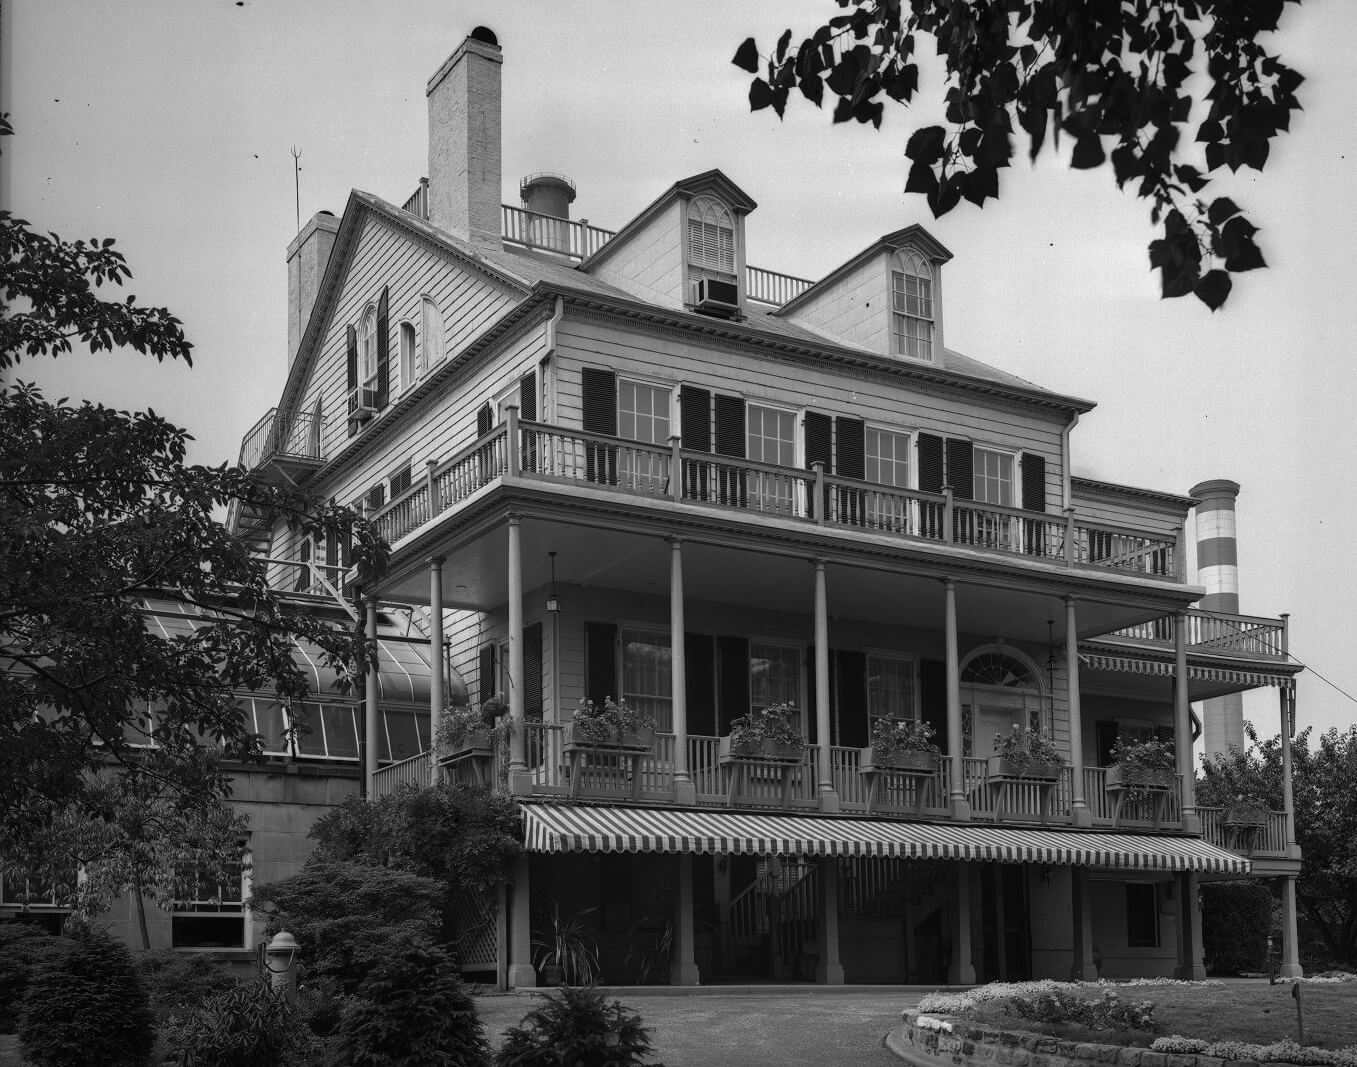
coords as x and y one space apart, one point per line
170 126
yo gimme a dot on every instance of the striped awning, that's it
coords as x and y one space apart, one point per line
578 828
1198 672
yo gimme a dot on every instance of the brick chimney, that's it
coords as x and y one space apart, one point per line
464 141
307 256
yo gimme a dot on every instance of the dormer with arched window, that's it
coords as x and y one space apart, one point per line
712 273
911 306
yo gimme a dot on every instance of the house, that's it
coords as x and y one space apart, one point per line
631 464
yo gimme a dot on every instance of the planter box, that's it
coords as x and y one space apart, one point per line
1147 781
918 762
766 751
1003 767
1244 817
642 739
475 743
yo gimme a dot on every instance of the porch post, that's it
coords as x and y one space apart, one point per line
435 659
521 973
684 790
1078 802
1288 703
829 799
828 970
683 971
1082 969
519 781
371 706
1182 727
957 800
1290 966
1190 966
961 969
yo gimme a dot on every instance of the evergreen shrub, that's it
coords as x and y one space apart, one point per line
22 948
1236 920
578 1027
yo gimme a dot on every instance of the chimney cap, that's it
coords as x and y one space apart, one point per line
547 178
1215 488
485 35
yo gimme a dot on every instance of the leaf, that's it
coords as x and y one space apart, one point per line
760 95
921 180
1236 244
1213 288
1088 152
926 145
1222 208
747 56
812 89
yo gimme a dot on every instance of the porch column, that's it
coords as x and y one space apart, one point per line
828 970
1082 969
961 969
519 780
1290 966
684 790
521 973
1190 966
436 686
829 799
1078 803
957 799
683 971
1288 702
1182 727
371 704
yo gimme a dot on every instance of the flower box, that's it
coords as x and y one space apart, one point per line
1144 779
636 739
1245 815
473 743
918 762
766 750
1006 767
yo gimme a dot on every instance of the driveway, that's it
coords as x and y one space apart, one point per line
771 1029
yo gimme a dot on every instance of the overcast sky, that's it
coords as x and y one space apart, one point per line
169 126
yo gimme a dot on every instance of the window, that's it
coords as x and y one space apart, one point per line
210 914
303 579
643 414
647 676
887 463
912 306
1142 915
367 347
431 330
404 732
774 675
993 477
992 483
409 369
770 437
711 241
890 687
328 731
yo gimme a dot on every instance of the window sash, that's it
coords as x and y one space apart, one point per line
647 676
890 687
367 347
887 457
774 675
993 477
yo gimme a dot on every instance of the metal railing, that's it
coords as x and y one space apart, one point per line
1215 631
296 435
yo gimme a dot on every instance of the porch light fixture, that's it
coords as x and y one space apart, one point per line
553 601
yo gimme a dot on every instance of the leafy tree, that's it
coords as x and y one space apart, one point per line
1326 821
1122 79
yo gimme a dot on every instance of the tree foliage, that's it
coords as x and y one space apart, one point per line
1326 821
1137 82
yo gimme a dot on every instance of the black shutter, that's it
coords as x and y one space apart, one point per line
961 468
351 367
599 401
1104 737
527 398
600 661
400 481
732 698
930 463
376 496
819 435
853 726
532 672
730 441
695 418
303 573
485 419
1033 482
383 351
850 461
812 699
331 551
933 698
345 551
486 679
699 672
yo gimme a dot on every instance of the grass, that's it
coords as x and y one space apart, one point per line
1237 1011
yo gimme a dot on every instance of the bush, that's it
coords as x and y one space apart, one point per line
177 982
414 1011
1099 1013
23 947
1236 920
248 1026
86 1005
580 1028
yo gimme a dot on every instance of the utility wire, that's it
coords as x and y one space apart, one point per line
1331 684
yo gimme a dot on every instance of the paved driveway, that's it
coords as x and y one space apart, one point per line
772 1029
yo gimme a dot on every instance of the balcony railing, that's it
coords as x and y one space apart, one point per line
296 436
417 770
1241 635
1270 838
770 287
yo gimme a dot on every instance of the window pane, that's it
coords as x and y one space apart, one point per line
647 676
774 675
311 738
341 730
402 734
890 687
268 722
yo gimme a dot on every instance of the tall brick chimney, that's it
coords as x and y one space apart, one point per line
307 256
464 141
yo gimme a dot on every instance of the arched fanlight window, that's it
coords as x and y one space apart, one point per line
912 306
367 344
711 236
999 669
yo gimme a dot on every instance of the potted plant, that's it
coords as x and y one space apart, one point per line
1142 768
1245 811
764 734
901 744
1025 753
474 730
613 725
564 948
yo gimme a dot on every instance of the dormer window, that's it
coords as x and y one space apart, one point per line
712 274
912 306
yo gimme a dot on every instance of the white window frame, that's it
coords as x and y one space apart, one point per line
799 648
1004 454
905 264
367 347
645 471
432 334
659 637
321 729
887 510
780 494
409 354
224 909
894 656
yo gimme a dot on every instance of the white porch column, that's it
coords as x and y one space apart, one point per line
829 798
1288 703
519 780
371 703
1082 969
961 970
1290 965
1182 727
1078 803
684 790
1191 967
521 973
683 970
957 799
828 969
436 686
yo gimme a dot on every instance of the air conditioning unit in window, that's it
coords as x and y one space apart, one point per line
366 406
715 297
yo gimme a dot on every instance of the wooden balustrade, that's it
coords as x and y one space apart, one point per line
770 287
1214 631
417 770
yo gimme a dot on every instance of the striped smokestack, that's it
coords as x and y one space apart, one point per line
1218 571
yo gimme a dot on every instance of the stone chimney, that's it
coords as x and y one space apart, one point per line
464 141
1218 572
307 256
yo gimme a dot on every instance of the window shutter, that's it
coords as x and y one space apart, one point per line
303 573
850 458
1033 482
812 701
485 419
400 481
732 665
819 431
699 673
599 400
730 439
695 418
961 468
600 661
1104 737
532 672
485 684
331 552
351 368
854 730
933 698
930 463
527 398
383 350
376 496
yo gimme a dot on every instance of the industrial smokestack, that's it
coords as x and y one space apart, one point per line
1218 571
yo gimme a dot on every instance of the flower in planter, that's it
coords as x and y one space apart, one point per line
892 737
612 720
1246 810
1026 749
1144 765
775 725
455 725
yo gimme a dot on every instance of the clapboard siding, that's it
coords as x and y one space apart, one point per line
855 309
649 262
1133 510
466 632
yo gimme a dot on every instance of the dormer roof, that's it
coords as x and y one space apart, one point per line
912 236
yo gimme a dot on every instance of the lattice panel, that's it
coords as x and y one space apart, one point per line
475 918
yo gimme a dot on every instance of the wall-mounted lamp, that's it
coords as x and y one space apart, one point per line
553 601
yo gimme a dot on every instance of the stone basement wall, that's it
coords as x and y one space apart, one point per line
931 1040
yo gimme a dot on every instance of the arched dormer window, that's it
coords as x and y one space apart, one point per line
367 346
431 334
912 306
711 239
409 370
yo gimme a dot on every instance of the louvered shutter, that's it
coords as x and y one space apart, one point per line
485 419
699 672
854 729
527 410
819 436
730 441
532 672
933 698
345 554
400 481
961 468
930 463
695 431
351 368
383 351
1033 499
376 496
485 679
812 699
600 661
598 389
303 573
732 667
850 461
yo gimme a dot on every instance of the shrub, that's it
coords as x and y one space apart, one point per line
1098 1013
23 947
176 982
414 1012
1236 920
86 1005
248 1026
580 1028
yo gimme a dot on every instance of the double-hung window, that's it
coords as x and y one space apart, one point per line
993 473
644 415
890 687
367 348
912 306
208 913
775 675
770 437
647 676
887 464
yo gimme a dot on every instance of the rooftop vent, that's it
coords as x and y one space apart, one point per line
548 198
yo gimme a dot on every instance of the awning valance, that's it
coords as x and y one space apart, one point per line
1107 661
577 828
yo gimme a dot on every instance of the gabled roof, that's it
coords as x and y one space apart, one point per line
710 181
913 236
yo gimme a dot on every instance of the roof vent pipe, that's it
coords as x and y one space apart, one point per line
547 197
